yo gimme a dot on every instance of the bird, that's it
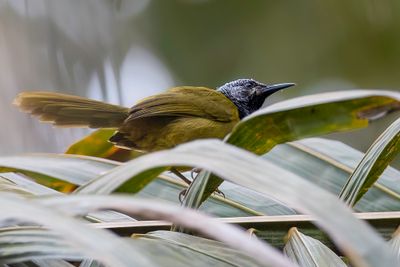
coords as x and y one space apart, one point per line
158 122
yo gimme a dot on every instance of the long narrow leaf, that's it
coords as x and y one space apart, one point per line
199 251
91 263
11 182
272 229
96 144
354 237
395 243
307 116
65 172
230 235
21 244
93 243
309 252
57 171
375 161
329 163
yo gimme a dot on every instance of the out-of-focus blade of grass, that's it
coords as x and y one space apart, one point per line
198 251
354 237
308 116
92 243
191 219
395 243
374 162
20 244
96 144
309 252
329 163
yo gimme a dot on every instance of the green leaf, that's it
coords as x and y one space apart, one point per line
191 219
329 163
42 263
374 162
11 182
69 171
311 115
307 116
91 263
395 243
52 263
271 229
196 251
356 239
96 144
93 243
60 172
309 252
19 244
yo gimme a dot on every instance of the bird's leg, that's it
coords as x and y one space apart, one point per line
193 173
182 195
183 178
180 175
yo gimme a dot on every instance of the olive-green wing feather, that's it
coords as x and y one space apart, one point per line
69 110
187 101
177 116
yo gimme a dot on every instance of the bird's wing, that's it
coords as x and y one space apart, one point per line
187 101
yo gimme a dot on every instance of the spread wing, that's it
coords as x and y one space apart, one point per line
186 101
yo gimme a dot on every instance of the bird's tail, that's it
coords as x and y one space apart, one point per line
71 111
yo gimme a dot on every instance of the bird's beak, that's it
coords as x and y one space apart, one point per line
270 89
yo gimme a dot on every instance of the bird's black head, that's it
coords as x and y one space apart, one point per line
249 95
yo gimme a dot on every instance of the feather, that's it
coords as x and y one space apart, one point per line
73 111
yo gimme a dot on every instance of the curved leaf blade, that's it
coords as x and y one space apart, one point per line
354 237
60 172
199 251
20 244
308 116
395 243
65 172
96 144
228 234
311 115
309 252
374 162
93 243
329 163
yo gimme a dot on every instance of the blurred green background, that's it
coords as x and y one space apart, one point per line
121 51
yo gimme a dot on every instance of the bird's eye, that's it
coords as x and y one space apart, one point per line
250 84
